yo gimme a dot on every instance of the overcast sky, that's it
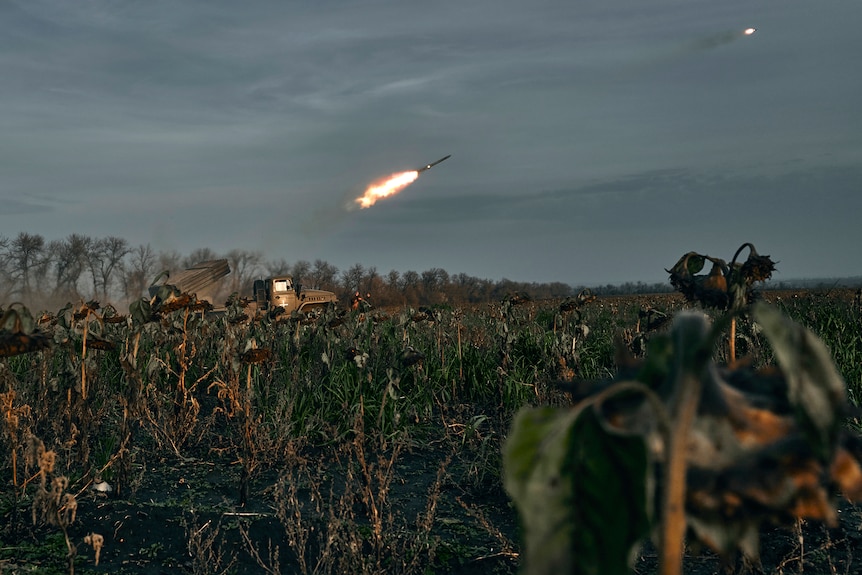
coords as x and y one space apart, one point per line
592 141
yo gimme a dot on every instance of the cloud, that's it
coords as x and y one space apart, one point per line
17 207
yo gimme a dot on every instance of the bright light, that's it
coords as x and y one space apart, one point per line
394 184
750 31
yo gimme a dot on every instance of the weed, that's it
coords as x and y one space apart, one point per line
207 555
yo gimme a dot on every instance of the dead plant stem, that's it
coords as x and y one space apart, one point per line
673 513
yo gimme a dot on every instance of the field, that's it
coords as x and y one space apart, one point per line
168 441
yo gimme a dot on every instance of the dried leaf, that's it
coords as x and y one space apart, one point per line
255 355
94 342
815 388
846 471
20 343
757 268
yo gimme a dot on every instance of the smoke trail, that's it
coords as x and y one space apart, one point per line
717 40
324 220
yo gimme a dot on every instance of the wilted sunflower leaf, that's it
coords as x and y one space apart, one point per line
580 491
846 471
64 316
18 333
20 343
723 536
154 367
17 319
141 312
99 343
255 355
727 504
815 387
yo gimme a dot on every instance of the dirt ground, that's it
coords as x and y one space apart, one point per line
184 517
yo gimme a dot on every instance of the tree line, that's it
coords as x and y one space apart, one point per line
44 274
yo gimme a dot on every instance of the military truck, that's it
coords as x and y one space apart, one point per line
275 295
281 292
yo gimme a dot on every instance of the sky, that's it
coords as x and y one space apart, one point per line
592 141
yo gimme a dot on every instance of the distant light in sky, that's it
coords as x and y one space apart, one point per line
750 31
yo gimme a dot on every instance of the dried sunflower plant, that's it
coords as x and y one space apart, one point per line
726 287
52 503
685 449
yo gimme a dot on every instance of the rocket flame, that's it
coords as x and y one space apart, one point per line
394 184
750 31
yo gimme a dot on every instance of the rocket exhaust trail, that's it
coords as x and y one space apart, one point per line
720 39
392 185
389 187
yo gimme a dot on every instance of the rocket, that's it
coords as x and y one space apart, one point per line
432 164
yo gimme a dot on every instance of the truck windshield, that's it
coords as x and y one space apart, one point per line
281 285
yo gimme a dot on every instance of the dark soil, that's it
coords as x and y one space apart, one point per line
179 502
184 517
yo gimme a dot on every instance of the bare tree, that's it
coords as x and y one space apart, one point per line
370 280
168 261
392 293
6 284
28 262
137 274
323 276
244 266
351 279
277 268
410 287
113 250
300 271
466 288
373 286
434 284
70 260
93 258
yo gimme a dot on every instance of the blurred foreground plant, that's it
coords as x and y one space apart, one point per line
681 445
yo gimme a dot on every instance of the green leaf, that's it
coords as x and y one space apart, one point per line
687 265
580 489
695 263
815 387
659 362
534 457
